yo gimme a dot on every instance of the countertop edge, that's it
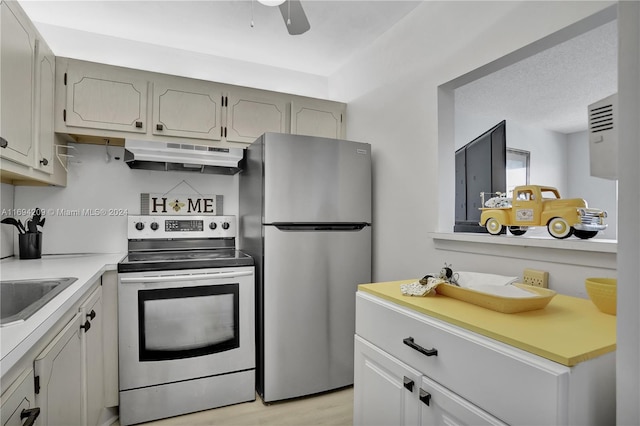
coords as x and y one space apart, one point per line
25 336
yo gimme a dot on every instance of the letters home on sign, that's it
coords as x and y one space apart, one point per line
176 204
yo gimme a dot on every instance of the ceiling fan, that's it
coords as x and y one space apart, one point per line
292 13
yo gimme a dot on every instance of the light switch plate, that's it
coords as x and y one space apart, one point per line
536 278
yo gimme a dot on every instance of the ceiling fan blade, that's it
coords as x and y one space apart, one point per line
294 17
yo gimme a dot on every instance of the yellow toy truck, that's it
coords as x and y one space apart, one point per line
535 205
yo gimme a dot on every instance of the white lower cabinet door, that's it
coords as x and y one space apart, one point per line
385 389
439 406
59 378
92 358
18 406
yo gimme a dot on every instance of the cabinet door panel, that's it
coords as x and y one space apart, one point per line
100 97
249 116
92 357
187 109
380 395
314 117
447 408
16 399
17 50
60 376
46 84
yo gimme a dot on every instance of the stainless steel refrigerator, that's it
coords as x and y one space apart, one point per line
305 217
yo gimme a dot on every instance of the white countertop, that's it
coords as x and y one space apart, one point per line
17 339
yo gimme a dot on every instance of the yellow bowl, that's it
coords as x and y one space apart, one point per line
602 292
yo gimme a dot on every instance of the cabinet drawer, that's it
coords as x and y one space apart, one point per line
483 371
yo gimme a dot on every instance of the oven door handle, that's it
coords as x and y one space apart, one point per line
185 277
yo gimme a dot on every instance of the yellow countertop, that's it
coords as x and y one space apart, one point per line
568 330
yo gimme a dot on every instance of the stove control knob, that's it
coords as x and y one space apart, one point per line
225 225
139 226
213 225
154 226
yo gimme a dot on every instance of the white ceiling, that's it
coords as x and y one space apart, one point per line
552 89
549 90
223 27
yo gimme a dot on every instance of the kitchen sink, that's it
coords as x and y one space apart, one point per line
20 299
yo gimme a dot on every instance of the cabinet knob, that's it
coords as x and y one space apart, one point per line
425 396
31 415
3 142
408 384
91 315
139 124
159 127
44 161
428 352
86 326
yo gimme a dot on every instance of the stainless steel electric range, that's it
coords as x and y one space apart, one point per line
186 308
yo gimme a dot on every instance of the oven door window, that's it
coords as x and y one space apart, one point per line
186 322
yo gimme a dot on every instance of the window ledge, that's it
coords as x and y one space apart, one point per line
595 252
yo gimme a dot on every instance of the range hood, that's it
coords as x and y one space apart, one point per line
184 157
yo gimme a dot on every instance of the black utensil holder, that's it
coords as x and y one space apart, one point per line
30 245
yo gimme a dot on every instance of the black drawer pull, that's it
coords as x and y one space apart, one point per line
31 415
425 396
91 315
408 384
139 124
159 127
428 352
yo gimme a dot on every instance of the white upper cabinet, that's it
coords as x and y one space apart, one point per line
315 117
46 72
17 56
187 108
104 101
251 113
102 97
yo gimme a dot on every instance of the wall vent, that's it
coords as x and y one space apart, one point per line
603 138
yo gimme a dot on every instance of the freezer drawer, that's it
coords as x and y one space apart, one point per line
316 180
309 285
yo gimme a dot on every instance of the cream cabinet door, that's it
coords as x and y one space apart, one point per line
315 117
92 357
58 371
46 74
17 56
187 108
249 115
18 401
385 390
105 97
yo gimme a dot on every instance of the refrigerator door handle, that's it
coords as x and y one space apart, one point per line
321 226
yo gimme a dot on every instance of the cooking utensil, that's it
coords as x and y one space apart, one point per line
14 222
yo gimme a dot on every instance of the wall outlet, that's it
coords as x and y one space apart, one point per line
536 278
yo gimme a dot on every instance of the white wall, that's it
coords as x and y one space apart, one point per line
599 193
7 232
95 184
150 57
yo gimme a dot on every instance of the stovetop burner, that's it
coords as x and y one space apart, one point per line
165 243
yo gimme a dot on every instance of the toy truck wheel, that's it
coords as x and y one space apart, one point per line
494 227
518 230
584 235
559 228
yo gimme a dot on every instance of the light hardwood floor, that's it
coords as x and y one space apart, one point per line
331 408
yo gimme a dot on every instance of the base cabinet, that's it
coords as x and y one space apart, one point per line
18 402
69 376
411 368
389 392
